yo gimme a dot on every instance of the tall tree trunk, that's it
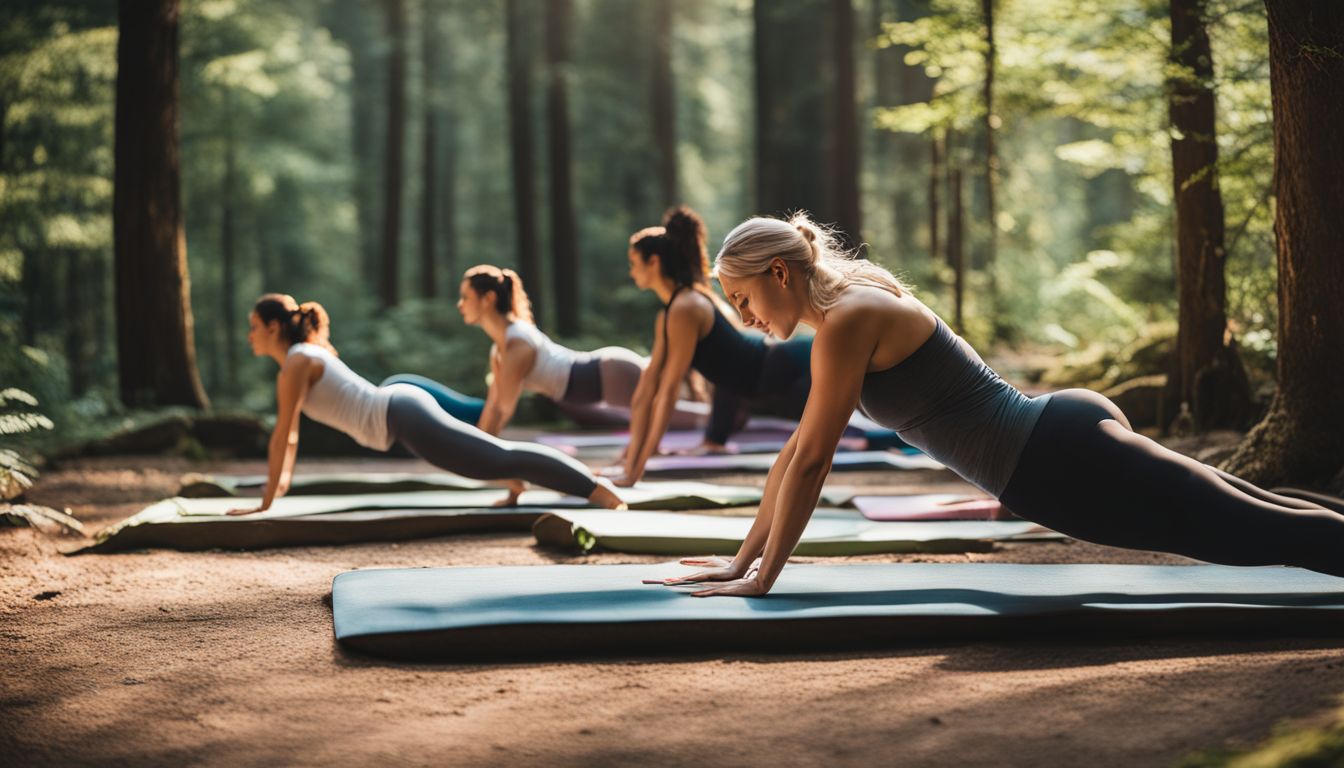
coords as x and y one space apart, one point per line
1301 439
156 352
77 329
935 185
792 111
448 199
231 318
1207 374
519 52
991 161
389 274
429 171
844 160
956 245
664 103
565 275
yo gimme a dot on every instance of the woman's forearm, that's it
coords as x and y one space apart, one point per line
796 500
279 462
660 417
754 542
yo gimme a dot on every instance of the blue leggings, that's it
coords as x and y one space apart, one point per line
459 406
1084 473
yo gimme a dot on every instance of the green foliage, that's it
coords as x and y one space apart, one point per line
1317 746
1084 147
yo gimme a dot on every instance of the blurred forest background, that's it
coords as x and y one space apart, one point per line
1016 161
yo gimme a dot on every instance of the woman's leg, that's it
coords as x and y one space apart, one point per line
1083 473
435 436
619 370
459 406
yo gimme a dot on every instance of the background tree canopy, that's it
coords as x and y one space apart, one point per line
296 116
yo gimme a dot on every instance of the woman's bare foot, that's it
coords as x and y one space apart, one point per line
516 488
604 496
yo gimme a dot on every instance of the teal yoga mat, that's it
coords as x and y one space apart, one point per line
467 614
180 523
829 533
202 486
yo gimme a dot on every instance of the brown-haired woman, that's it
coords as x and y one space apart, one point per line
694 331
313 380
523 357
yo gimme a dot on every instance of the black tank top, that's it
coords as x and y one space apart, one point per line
726 356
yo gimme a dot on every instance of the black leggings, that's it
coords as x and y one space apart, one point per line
1084 473
418 423
786 380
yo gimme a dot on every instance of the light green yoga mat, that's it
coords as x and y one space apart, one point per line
202 486
829 533
165 524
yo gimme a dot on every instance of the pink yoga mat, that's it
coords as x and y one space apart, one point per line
930 506
750 440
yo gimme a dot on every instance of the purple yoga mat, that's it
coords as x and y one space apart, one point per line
750 440
931 506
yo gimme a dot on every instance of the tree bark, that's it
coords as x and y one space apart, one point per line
792 112
956 247
156 352
429 171
1301 439
229 283
664 103
844 161
991 160
1207 374
389 273
519 64
935 184
565 275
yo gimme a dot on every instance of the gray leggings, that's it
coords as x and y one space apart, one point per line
417 422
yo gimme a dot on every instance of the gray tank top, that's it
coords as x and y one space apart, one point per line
945 401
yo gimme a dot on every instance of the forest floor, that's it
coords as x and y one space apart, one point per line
227 658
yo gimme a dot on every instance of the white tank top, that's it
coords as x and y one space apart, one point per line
550 371
344 400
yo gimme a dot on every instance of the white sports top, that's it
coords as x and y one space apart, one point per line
550 371
344 400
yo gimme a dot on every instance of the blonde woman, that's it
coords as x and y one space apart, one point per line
878 347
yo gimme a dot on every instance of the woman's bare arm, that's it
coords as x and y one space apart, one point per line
506 386
840 357
291 388
682 320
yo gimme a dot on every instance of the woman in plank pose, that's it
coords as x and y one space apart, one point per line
313 380
694 331
523 357
878 347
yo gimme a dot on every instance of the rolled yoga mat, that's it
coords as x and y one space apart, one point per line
194 523
469 614
929 506
671 466
201 486
829 533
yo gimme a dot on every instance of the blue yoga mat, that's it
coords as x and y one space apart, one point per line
543 611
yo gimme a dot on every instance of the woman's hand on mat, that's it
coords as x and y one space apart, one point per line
709 561
706 448
716 569
750 587
248 511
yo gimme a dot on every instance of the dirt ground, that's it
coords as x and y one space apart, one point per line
227 658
